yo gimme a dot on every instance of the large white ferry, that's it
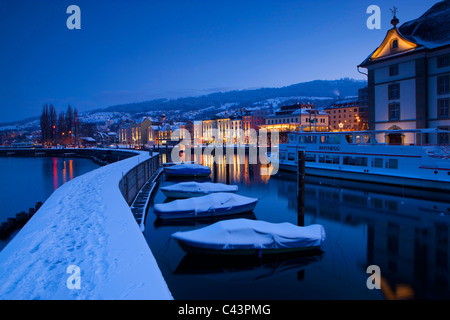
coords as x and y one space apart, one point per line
370 156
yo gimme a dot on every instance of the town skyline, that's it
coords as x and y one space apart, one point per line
157 51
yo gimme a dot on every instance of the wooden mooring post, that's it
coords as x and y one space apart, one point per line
301 188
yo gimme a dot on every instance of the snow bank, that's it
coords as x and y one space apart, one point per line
86 223
253 234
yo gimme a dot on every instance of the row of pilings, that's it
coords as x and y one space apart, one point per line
12 224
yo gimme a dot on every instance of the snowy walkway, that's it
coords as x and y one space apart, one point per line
86 223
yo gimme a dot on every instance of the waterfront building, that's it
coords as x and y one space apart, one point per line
198 132
363 104
296 118
125 134
209 126
189 127
409 76
252 121
344 115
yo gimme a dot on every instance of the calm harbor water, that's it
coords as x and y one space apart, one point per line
404 232
26 181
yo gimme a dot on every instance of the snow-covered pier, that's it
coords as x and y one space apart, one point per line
83 243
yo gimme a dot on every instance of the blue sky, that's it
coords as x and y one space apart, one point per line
136 50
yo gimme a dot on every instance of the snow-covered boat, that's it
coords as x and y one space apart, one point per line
187 170
212 205
191 189
250 237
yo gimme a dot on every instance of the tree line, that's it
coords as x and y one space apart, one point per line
63 128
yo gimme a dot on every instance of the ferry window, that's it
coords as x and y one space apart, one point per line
291 138
282 156
377 163
311 139
392 164
355 161
301 139
291 157
349 138
366 138
310 158
323 139
329 159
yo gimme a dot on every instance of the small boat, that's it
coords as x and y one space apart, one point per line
187 170
212 205
191 189
250 237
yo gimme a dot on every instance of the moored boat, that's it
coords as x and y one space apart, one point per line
187 170
212 205
191 189
372 156
250 237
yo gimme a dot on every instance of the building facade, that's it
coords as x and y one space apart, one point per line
409 77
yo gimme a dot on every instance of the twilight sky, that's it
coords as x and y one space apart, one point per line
137 50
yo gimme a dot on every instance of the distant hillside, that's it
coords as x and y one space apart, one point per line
319 88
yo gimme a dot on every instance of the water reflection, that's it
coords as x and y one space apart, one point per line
244 269
405 232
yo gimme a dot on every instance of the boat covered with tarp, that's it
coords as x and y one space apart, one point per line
251 237
191 189
212 205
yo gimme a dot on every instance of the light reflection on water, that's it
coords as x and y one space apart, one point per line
26 181
395 228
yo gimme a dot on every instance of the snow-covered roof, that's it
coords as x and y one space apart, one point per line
428 32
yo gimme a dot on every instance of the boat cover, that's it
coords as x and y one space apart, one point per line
208 203
186 168
207 187
252 234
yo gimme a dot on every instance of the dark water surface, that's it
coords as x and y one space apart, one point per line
26 181
393 228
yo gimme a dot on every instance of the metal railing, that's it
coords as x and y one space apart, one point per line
135 179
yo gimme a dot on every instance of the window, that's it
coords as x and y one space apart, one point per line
394 91
443 108
443 61
394 111
443 84
394 44
310 158
355 161
291 157
377 163
392 164
393 70
329 159
282 156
